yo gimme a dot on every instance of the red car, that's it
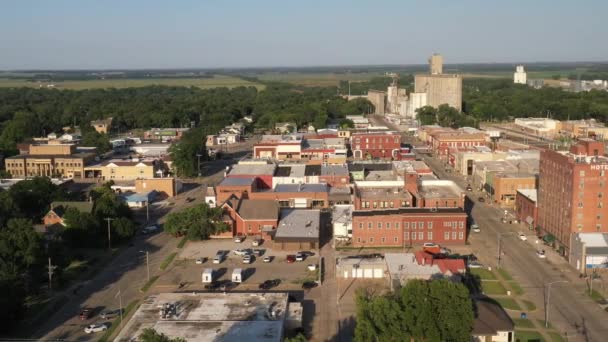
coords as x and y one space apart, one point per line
291 259
85 314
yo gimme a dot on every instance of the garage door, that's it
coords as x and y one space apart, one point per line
378 273
300 202
368 273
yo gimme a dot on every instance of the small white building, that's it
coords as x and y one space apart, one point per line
519 77
210 197
237 275
342 220
207 276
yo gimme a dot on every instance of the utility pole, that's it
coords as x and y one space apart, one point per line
147 262
119 295
500 235
198 155
147 211
548 285
51 269
109 234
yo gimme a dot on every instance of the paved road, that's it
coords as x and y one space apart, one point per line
571 310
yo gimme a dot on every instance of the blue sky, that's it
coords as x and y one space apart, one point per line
78 34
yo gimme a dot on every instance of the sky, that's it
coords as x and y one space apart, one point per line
139 34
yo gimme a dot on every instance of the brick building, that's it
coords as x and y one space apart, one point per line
58 209
409 226
571 191
526 207
441 142
49 160
165 187
237 187
381 145
252 217
281 147
262 172
506 185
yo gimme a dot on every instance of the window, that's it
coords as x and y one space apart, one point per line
598 227
360 225
249 227
446 235
413 235
406 235
579 226
406 225
388 225
375 205
369 225
421 236
461 225
421 225
395 239
371 239
359 239
461 235
580 204
413 225
396 225
382 239
429 235
582 173
453 235
391 204
379 225
602 173
600 205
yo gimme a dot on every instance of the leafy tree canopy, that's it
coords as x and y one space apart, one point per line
198 222
151 335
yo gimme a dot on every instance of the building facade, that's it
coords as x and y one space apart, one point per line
571 191
381 145
409 226
526 207
52 160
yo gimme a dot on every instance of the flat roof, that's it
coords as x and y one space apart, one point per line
439 189
301 188
252 169
298 225
381 175
296 170
237 181
406 264
383 193
258 209
334 170
531 194
408 211
233 317
342 213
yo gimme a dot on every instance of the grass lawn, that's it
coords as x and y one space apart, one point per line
542 322
529 305
516 288
483 273
493 288
167 261
182 242
523 323
148 284
596 296
504 274
508 303
525 336
555 337
203 83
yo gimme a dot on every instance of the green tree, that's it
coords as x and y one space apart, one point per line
297 338
91 137
32 197
427 115
20 247
185 151
123 228
151 335
197 223
438 310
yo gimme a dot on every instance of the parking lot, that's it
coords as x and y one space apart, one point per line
185 269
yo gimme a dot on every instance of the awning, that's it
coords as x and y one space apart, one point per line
529 220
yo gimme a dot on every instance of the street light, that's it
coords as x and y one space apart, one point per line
198 155
147 262
500 235
119 295
109 219
548 285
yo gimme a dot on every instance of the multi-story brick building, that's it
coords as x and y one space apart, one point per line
252 217
49 160
119 169
442 141
526 207
377 145
409 226
571 191
281 147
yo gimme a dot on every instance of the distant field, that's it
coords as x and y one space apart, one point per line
316 79
204 83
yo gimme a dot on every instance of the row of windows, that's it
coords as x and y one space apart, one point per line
36 164
383 204
418 236
413 225
386 140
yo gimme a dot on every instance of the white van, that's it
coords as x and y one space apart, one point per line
237 275
207 275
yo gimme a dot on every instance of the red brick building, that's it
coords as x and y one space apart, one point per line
58 209
526 207
252 217
409 226
441 142
238 187
571 191
382 145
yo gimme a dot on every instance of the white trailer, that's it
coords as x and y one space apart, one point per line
207 275
237 275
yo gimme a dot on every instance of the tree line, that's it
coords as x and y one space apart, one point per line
24 252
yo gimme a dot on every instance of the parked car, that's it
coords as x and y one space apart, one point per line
150 229
469 188
541 254
481 199
189 199
300 256
475 264
268 258
85 314
200 261
312 267
214 286
218 259
239 239
227 286
290 259
475 228
268 284
247 259
430 245
107 314
93 328
258 252
307 285
257 242
522 237
241 252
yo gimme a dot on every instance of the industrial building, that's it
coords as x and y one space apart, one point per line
439 88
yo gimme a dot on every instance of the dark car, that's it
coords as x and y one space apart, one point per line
85 314
268 284
307 285
308 253
481 199
227 286
214 286
189 199
290 259
107 314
